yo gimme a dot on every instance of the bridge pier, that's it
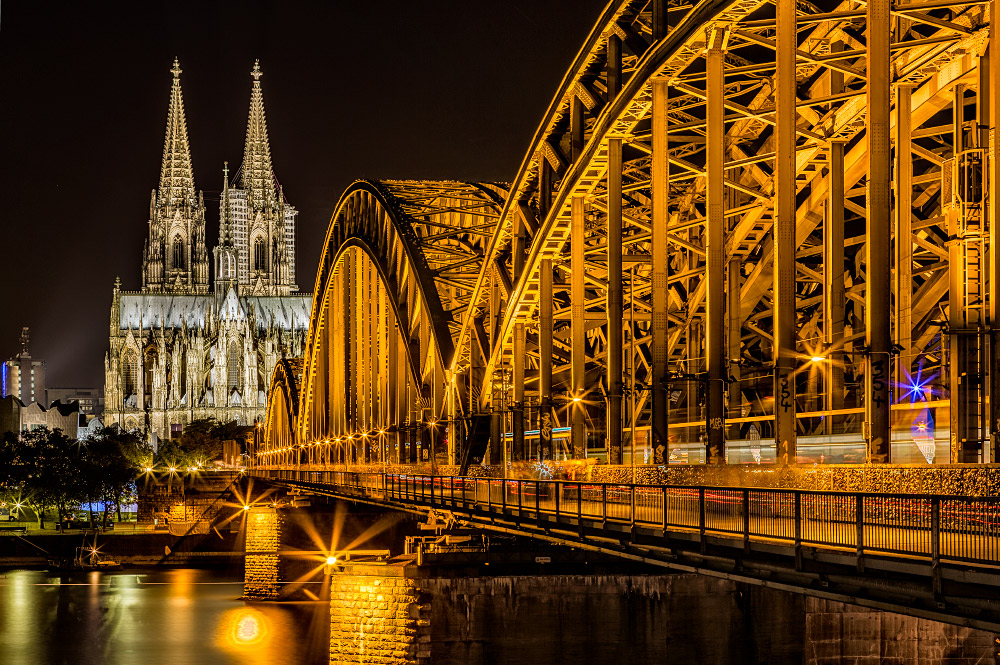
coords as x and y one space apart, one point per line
262 565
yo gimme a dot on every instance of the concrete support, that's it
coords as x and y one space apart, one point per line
784 236
904 243
877 305
261 568
545 359
659 439
578 322
715 347
613 306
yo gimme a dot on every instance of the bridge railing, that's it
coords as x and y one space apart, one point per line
925 526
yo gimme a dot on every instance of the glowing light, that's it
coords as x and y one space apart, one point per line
172 469
149 469
331 561
577 399
246 507
818 359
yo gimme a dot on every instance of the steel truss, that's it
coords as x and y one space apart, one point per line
701 247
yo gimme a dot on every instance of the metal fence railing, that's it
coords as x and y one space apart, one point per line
928 526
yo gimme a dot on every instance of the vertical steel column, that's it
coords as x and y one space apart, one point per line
993 162
963 347
346 350
613 307
715 351
452 388
784 235
578 323
734 350
577 126
494 453
544 187
659 439
833 287
545 360
659 19
833 268
614 67
392 375
520 349
877 305
904 243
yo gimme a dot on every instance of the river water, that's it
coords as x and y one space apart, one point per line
155 617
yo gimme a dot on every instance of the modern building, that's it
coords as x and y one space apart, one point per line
23 376
178 350
91 399
18 416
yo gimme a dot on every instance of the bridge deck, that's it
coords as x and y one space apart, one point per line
934 556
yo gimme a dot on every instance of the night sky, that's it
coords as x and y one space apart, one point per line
434 90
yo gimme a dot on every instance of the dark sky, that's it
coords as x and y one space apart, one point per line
352 89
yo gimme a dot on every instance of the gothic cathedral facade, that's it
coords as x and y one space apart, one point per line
180 349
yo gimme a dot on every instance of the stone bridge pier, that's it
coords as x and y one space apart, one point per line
262 562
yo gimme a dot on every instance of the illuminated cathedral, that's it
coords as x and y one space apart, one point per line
182 349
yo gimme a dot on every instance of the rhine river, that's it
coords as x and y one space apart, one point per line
152 617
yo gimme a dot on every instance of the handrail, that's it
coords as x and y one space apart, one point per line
931 527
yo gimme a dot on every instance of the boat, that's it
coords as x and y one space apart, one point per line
84 558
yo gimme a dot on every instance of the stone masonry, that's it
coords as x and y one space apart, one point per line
261 569
378 615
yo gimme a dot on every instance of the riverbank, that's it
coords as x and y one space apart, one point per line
147 549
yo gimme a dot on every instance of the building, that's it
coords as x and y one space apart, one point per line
178 350
91 399
17 416
23 376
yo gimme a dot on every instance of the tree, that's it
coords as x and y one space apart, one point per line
113 458
43 469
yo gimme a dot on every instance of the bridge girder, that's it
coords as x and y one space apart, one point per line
655 92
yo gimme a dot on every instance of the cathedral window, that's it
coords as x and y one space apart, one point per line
130 374
149 372
259 255
178 253
234 366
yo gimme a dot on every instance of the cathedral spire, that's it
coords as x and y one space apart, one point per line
258 175
176 174
225 222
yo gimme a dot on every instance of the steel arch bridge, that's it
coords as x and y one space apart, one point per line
744 230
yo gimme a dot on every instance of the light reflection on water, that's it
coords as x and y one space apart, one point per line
152 618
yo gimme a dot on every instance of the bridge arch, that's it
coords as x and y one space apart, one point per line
700 230
279 437
393 277
675 116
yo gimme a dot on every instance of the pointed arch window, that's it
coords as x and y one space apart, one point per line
235 366
178 253
130 374
259 254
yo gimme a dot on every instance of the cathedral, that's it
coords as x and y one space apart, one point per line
180 348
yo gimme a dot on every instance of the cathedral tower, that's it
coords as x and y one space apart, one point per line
226 254
175 259
260 221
